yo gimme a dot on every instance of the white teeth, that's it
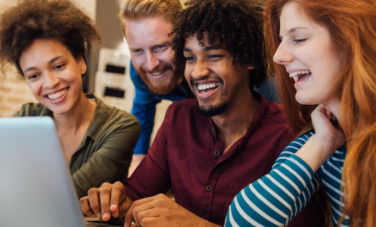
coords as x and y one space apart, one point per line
294 74
202 87
157 73
57 94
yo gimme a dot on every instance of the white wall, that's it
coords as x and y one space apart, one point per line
89 5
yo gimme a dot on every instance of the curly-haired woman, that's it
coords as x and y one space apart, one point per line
325 63
47 41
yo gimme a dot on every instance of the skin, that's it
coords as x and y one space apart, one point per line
209 64
151 52
49 67
305 45
202 66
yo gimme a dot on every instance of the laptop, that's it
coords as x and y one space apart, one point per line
36 189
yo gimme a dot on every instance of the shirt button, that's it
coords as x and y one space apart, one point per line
217 153
212 130
209 188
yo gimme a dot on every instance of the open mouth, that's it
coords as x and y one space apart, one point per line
203 88
157 75
300 75
57 95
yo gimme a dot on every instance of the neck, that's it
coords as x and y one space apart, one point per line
334 106
234 122
81 114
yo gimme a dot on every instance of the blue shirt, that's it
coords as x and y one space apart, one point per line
144 105
145 101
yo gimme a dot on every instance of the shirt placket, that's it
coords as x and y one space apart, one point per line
209 188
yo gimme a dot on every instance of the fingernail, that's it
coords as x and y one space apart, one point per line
93 216
113 206
105 215
99 215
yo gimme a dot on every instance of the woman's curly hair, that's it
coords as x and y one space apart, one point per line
235 23
60 20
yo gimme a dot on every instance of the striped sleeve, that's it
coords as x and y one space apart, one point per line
277 197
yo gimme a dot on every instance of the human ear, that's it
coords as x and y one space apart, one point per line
82 65
250 67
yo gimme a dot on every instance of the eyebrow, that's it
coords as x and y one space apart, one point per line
159 44
186 49
52 60
292 30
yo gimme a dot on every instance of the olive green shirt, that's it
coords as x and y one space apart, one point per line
106 151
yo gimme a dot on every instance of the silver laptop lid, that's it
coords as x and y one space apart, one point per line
35 185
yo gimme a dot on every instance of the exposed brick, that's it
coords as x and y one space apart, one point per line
5 89
5 108
15 100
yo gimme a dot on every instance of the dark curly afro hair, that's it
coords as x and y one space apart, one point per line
237 24
60 20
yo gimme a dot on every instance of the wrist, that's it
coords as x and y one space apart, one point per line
200 222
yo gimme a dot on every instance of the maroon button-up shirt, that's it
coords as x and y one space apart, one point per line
187 156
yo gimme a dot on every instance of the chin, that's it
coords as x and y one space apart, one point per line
305 99
62 109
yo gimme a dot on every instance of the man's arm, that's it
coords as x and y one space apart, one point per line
150 178
144 107
162 211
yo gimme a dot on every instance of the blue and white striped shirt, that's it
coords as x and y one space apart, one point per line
276 198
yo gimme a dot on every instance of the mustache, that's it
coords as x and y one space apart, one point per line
159 68
193 81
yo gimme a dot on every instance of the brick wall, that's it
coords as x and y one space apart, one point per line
13 91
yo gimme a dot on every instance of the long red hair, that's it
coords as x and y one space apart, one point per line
352 26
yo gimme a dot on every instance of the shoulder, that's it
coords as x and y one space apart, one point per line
184 105
273 121
109 118
274 112
292 148
119 117
29 109
299 142
182 111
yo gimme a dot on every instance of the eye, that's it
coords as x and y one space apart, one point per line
189 58
214 57
137 51
298 41
60 66
160 48
32 77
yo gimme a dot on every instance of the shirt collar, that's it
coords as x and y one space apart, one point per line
99 118
262 111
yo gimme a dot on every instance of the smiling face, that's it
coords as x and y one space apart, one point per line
212 76
151 53
53 75
307 53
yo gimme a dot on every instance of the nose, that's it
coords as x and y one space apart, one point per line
50 80
152 61
282 56
200 70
